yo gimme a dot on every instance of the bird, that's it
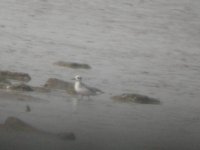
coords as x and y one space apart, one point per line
84 90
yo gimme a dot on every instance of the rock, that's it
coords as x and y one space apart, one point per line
21 87
60 84
135 98
4 86
15 76
73 65
3 80
4 83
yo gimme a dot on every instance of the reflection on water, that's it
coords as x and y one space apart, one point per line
74 104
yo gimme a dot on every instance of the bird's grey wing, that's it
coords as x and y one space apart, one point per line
93 89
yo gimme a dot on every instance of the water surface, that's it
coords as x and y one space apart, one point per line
136 46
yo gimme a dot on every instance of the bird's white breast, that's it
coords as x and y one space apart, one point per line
77 86
80 89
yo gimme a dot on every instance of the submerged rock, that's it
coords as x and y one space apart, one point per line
60 84
67 136
28 108
13 124
15 76
73 65
135 98
17 96
41 89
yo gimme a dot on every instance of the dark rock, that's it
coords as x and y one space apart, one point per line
15 76
60 84
73 65
135 98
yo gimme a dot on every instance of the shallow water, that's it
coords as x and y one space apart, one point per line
136 46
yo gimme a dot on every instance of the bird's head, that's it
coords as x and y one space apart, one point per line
77 78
